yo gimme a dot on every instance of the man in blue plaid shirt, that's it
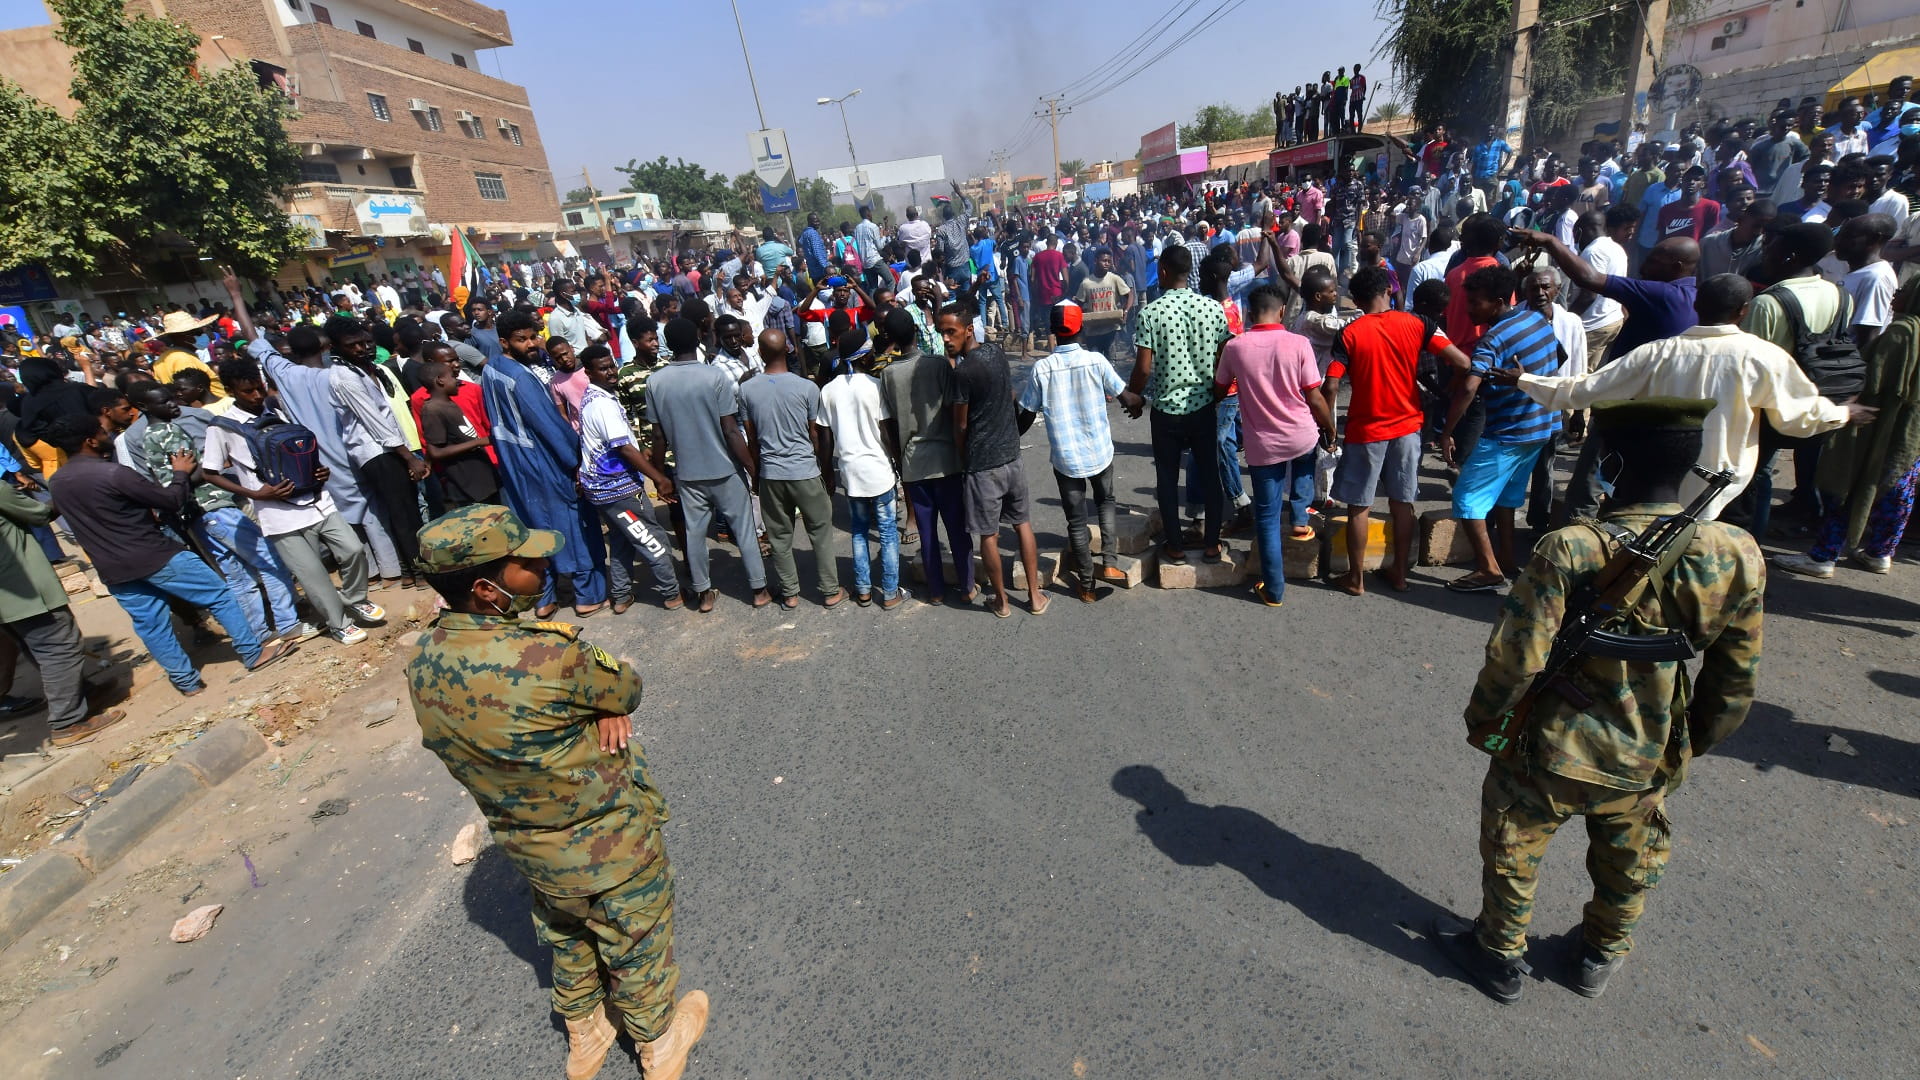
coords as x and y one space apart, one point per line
1069 388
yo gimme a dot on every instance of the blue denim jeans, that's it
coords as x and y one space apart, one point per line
991 293
862 514
1281 489
242 553
1346 249
1227 424
187 579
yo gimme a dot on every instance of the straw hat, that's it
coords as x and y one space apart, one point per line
179 322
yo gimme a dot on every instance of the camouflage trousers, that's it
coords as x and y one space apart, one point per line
616 945
1628 841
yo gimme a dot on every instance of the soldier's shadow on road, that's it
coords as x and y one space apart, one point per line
1772 738
496 898
1336 888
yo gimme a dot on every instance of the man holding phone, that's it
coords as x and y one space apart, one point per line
815 310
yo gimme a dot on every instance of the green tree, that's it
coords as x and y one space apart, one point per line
1214 123
157 152
1072 167
1387 112
582 194
685 189
1452 56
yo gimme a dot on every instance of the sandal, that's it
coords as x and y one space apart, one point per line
620 606
790 602
863 599
545 613
707 600
762 598
1381 573
910 538
1173 553
1039 602
1216 552
1475 582
587 613
674 603
839 597
1300 532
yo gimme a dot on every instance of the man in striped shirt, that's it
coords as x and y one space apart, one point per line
1493 478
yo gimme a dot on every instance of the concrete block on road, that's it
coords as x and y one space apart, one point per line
910 568
30 891
1302 559
1442 541
128 818
1197 573
1049 564
1379 543
1135 530
221 751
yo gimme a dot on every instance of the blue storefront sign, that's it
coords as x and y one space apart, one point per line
25 284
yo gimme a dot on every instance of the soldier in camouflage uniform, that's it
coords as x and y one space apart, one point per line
1614 762
631 381
534 723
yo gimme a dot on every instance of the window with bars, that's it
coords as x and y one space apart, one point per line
493 186
513 135
472 129
378 103
576 219
365 29
430 120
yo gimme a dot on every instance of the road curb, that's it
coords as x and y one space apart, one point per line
35 888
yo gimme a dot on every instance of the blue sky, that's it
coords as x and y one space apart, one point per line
608 87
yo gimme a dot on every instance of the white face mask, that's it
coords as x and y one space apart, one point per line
517 603
1601 481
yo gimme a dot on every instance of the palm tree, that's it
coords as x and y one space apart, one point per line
1387 112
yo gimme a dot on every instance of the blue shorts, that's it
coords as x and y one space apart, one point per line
1495 474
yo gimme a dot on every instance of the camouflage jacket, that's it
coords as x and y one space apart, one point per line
1628 739
630 387
509 707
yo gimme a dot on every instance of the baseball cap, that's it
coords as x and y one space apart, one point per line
1065 318
479 534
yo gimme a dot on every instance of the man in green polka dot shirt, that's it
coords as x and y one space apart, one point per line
1179 338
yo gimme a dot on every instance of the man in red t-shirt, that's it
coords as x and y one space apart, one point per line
1378 354
1049 274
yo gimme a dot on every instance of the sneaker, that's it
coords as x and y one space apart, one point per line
1804 565
1872 564
665 1058
302 631
348 635
1594 969
1497 975
85 730
368 614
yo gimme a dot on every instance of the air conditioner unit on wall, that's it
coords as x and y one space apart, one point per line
503 124
1733 26
465 116
415 104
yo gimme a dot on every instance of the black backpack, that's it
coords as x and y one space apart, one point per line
282 452
1832 359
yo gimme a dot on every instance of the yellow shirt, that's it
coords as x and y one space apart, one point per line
174 361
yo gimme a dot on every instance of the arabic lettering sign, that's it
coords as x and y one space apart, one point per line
25 284
390 215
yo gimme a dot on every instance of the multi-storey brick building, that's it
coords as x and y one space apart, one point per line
400 132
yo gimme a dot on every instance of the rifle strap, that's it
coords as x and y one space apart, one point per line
1660 579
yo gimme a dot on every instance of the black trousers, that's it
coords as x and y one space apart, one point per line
397 500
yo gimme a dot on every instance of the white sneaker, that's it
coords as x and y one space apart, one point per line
349 635
301 631
1872 564
368 614
1804 565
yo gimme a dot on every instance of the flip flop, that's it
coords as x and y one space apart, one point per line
761 599
839 597
1474 583
1382 575
789 603
1039 603
587 613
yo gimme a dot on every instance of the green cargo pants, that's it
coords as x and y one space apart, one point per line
780 502
1628 841
627 932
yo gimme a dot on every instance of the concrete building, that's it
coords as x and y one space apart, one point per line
400 132
1753 53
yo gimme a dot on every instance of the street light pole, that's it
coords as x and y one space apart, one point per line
754 83
844 126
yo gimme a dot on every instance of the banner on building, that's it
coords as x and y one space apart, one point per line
26 284
390 215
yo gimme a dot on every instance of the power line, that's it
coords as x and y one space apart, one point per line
1225 8
1172 15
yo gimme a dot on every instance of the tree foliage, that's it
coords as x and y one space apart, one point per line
157 152
582 194
685 188
1452 57
1221 122
1072 167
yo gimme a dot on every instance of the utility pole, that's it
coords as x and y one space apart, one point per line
593 196
1526 13
1643 65
1054 113
758 110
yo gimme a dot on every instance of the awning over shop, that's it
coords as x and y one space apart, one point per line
1875 74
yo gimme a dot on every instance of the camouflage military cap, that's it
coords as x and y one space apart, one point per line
1686 414
479 534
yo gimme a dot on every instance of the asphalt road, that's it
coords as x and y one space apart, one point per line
1174 834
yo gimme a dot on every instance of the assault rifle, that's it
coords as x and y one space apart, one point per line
1592 606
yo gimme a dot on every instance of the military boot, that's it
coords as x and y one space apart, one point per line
665 1058
588 1040
1595 968
1497 975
